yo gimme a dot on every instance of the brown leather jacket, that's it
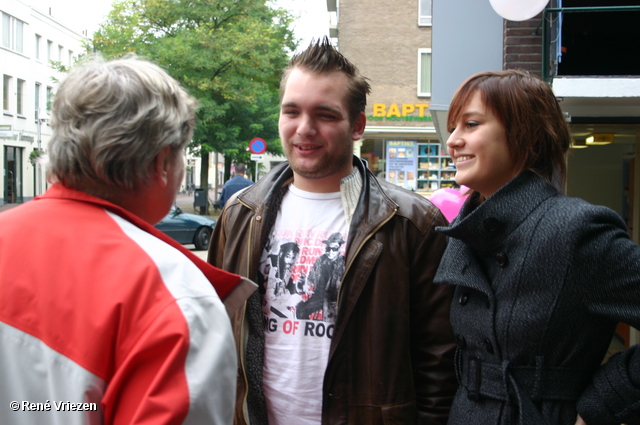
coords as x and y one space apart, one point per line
391 356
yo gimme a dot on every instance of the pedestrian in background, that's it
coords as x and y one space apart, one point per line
541 279
96 305
377 347
234 184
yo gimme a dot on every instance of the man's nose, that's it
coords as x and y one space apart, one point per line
307 126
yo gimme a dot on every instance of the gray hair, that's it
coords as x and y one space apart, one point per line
110 119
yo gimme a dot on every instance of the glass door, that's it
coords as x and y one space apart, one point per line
12 174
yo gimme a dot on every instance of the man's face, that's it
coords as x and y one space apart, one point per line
289 259
333 250
317 136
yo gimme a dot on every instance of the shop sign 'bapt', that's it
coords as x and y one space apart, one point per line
404 112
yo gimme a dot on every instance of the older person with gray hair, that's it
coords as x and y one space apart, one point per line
104 319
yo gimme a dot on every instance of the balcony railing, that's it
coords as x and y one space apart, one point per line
591 41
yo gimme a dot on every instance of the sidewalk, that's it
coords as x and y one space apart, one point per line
7 206
185 202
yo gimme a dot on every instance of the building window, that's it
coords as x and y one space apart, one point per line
70 61
20 99
424 14
49 99
424 72
59 53
37 98
6 89
49 49
37 49
12 31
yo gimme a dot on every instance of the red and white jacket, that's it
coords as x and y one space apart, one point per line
97 306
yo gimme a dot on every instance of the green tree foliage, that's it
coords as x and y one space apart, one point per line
227 53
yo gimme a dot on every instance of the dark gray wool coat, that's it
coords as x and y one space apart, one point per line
541 282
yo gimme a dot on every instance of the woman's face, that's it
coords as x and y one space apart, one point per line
478 147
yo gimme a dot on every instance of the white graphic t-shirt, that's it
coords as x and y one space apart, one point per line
300 274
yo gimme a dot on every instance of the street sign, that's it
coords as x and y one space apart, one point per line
6 131
255 157
257 146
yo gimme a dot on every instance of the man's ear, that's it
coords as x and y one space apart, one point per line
358 126
162 165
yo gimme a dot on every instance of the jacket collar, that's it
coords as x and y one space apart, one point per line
223 282
374 205
498 216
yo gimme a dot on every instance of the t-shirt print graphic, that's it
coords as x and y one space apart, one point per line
300 279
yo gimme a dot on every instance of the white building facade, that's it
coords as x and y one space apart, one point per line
30 41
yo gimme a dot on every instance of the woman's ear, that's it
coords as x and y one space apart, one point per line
162 166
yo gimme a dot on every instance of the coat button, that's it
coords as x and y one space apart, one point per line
491 224
258 218
500 258
461 342
488 346
464 298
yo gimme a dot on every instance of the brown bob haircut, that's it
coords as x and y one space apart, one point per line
537 134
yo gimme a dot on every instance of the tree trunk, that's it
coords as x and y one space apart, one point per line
227 167
204 181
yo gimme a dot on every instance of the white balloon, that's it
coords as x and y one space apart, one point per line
518 10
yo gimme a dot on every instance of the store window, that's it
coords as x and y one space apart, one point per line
424 72
12 32
372 150
435 168
424 18
421 165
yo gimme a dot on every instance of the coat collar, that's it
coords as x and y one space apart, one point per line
498 216
223 282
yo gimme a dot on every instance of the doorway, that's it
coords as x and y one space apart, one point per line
12 174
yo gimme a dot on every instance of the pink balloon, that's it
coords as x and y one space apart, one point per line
449 201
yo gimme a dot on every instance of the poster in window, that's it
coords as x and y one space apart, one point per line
402 162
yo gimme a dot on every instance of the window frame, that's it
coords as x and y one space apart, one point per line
425 14
20 96
12 33
7 82
37 49
36 95
420 91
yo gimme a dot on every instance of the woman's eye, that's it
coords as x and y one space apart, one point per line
471 124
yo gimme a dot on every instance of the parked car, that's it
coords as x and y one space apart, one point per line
187 228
